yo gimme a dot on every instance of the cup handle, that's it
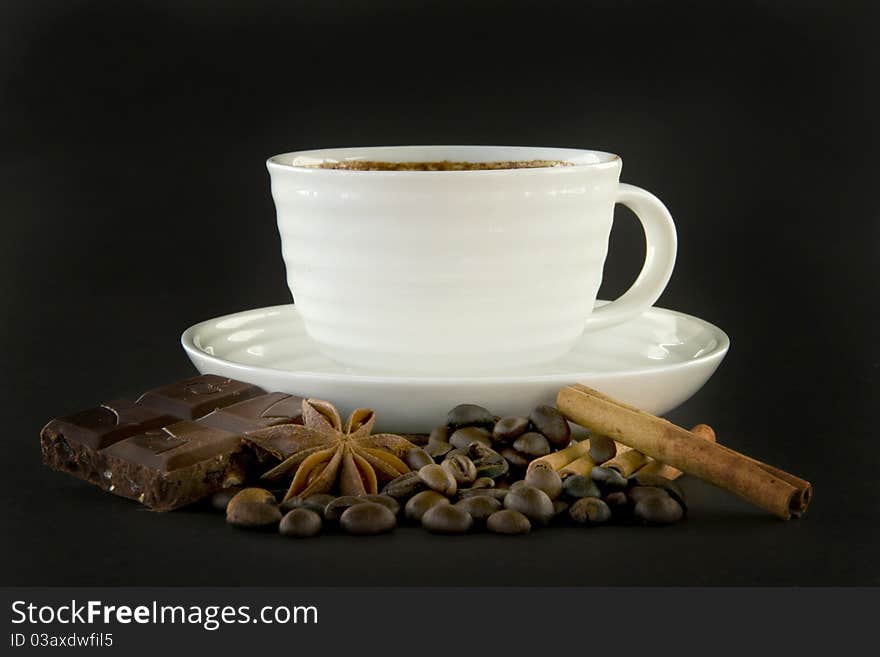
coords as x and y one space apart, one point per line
661 245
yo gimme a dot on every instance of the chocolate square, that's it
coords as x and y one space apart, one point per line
106 424
74 443
192 398
257 413
176 446
174 466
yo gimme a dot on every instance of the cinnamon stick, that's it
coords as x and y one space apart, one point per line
681 449
804 488
558 460
627 461
654 467
580 466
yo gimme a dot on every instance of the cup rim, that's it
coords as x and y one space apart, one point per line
592 159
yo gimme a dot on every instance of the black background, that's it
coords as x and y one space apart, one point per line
134 202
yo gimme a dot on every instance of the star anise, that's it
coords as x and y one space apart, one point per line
325 458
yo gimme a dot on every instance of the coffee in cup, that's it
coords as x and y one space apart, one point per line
442 165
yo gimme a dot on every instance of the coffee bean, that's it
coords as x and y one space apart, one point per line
404 486
439 434
438 479
508 429
317 503
532 444
447 519
461 468
618 503
514 458
367 518
437 449
672 489
334 510
417 457
608 479
252 515
602 448
385 500
551 423
480 507
483 482
530 501
497 493
560 507
220 499
252 495
481 452
489 462
467 415
495 470
658 510
508 522
639 493
578 486
290 504
300 523
252 507
421 502
541 475
438 442
589 511
462 438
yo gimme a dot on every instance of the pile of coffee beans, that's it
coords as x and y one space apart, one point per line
257 508
475 472
519 440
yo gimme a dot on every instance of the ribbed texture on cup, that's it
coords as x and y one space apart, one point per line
436 272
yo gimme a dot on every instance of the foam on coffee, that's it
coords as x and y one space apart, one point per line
443 165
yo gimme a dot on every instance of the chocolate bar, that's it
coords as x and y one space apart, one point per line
175 445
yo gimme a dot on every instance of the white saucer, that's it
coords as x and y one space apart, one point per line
655 362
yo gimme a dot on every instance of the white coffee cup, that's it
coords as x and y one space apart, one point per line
458 272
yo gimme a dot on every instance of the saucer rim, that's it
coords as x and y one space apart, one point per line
716 354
